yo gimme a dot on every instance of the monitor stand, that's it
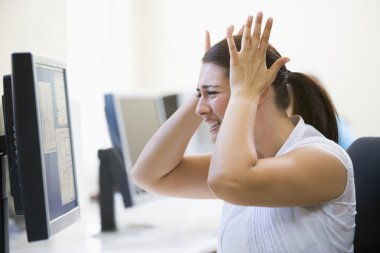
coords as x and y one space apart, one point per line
106 194
4 213
112 177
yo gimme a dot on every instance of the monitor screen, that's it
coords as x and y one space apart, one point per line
139 119
45 156
136 118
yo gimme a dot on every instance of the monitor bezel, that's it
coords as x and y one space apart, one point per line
37 216
13 172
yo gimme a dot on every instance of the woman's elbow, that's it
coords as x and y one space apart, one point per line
138 178
230 188
220 184
145 180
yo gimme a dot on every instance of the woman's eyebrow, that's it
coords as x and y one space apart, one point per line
207 86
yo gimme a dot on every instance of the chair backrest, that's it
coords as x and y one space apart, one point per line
365 156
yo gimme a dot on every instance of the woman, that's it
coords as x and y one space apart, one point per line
287 186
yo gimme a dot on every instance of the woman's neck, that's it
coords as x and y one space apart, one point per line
271 134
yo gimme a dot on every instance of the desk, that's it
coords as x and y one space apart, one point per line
161 225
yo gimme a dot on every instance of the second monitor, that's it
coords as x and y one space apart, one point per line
132 121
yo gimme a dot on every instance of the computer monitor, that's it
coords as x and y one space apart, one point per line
13 171
42 139
132 121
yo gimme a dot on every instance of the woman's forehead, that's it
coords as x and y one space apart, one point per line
212 75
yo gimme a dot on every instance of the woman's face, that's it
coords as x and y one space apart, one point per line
214 93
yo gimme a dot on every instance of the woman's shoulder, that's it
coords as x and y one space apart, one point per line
321 142
312 138
305 135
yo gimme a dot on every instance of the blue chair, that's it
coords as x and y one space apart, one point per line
365 155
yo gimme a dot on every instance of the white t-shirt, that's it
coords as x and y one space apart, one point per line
324 228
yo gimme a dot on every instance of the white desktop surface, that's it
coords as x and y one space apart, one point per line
167 225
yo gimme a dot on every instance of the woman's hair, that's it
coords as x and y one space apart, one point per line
310 99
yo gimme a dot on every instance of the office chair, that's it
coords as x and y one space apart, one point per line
365 156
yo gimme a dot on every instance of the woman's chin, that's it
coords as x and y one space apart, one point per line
214 134
213 137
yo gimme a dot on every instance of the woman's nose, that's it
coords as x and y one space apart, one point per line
203 107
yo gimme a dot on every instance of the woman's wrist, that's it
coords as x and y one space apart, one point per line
245 97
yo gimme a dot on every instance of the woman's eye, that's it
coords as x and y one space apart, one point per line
212 93
209 93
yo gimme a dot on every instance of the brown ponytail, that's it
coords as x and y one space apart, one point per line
311 100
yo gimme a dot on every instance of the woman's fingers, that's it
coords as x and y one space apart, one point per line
276 67
246 39
231 43
250 43
257 30
265 36
257 40
207 40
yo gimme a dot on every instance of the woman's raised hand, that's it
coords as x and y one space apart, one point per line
248 71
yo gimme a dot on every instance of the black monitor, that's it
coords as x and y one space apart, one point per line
39 135
13 171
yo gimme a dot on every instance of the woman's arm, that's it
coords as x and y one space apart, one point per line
162 167
302 177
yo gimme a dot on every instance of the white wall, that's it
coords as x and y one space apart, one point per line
35 25
98 62
335 40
